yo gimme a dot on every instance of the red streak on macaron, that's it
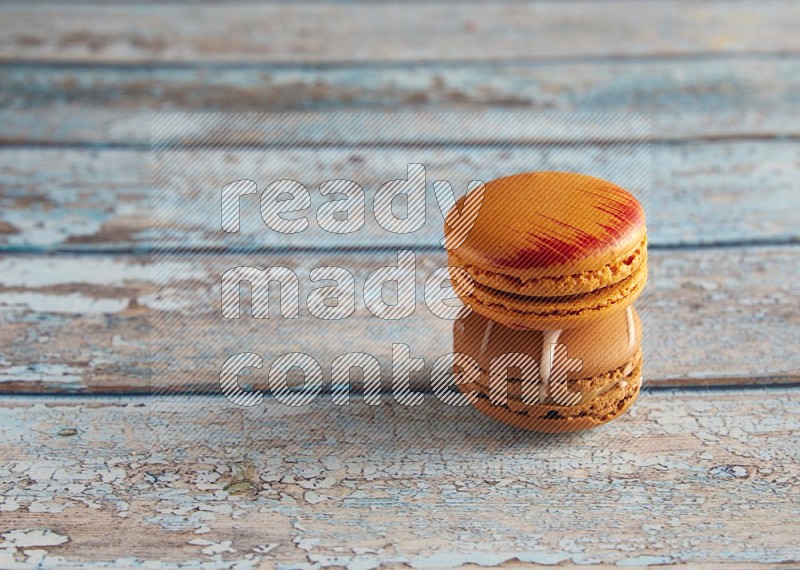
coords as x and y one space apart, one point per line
617 220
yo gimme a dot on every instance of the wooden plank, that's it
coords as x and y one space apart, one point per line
85 200
83 324
707 97
422 31
707 480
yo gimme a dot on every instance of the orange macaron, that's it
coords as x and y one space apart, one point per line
551 250
583 376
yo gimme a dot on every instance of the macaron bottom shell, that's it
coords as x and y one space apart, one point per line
619 390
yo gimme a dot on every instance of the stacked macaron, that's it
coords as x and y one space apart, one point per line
551 268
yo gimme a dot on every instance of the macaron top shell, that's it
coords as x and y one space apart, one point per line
551 224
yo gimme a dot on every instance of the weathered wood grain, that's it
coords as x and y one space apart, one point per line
419 31
83 200
685 478
705 478
686 98
713 317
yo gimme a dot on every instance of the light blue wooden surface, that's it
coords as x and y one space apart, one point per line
701 473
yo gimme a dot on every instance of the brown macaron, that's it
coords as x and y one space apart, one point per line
583 377
551 250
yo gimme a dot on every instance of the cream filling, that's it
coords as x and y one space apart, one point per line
549 341
486 337
631 328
